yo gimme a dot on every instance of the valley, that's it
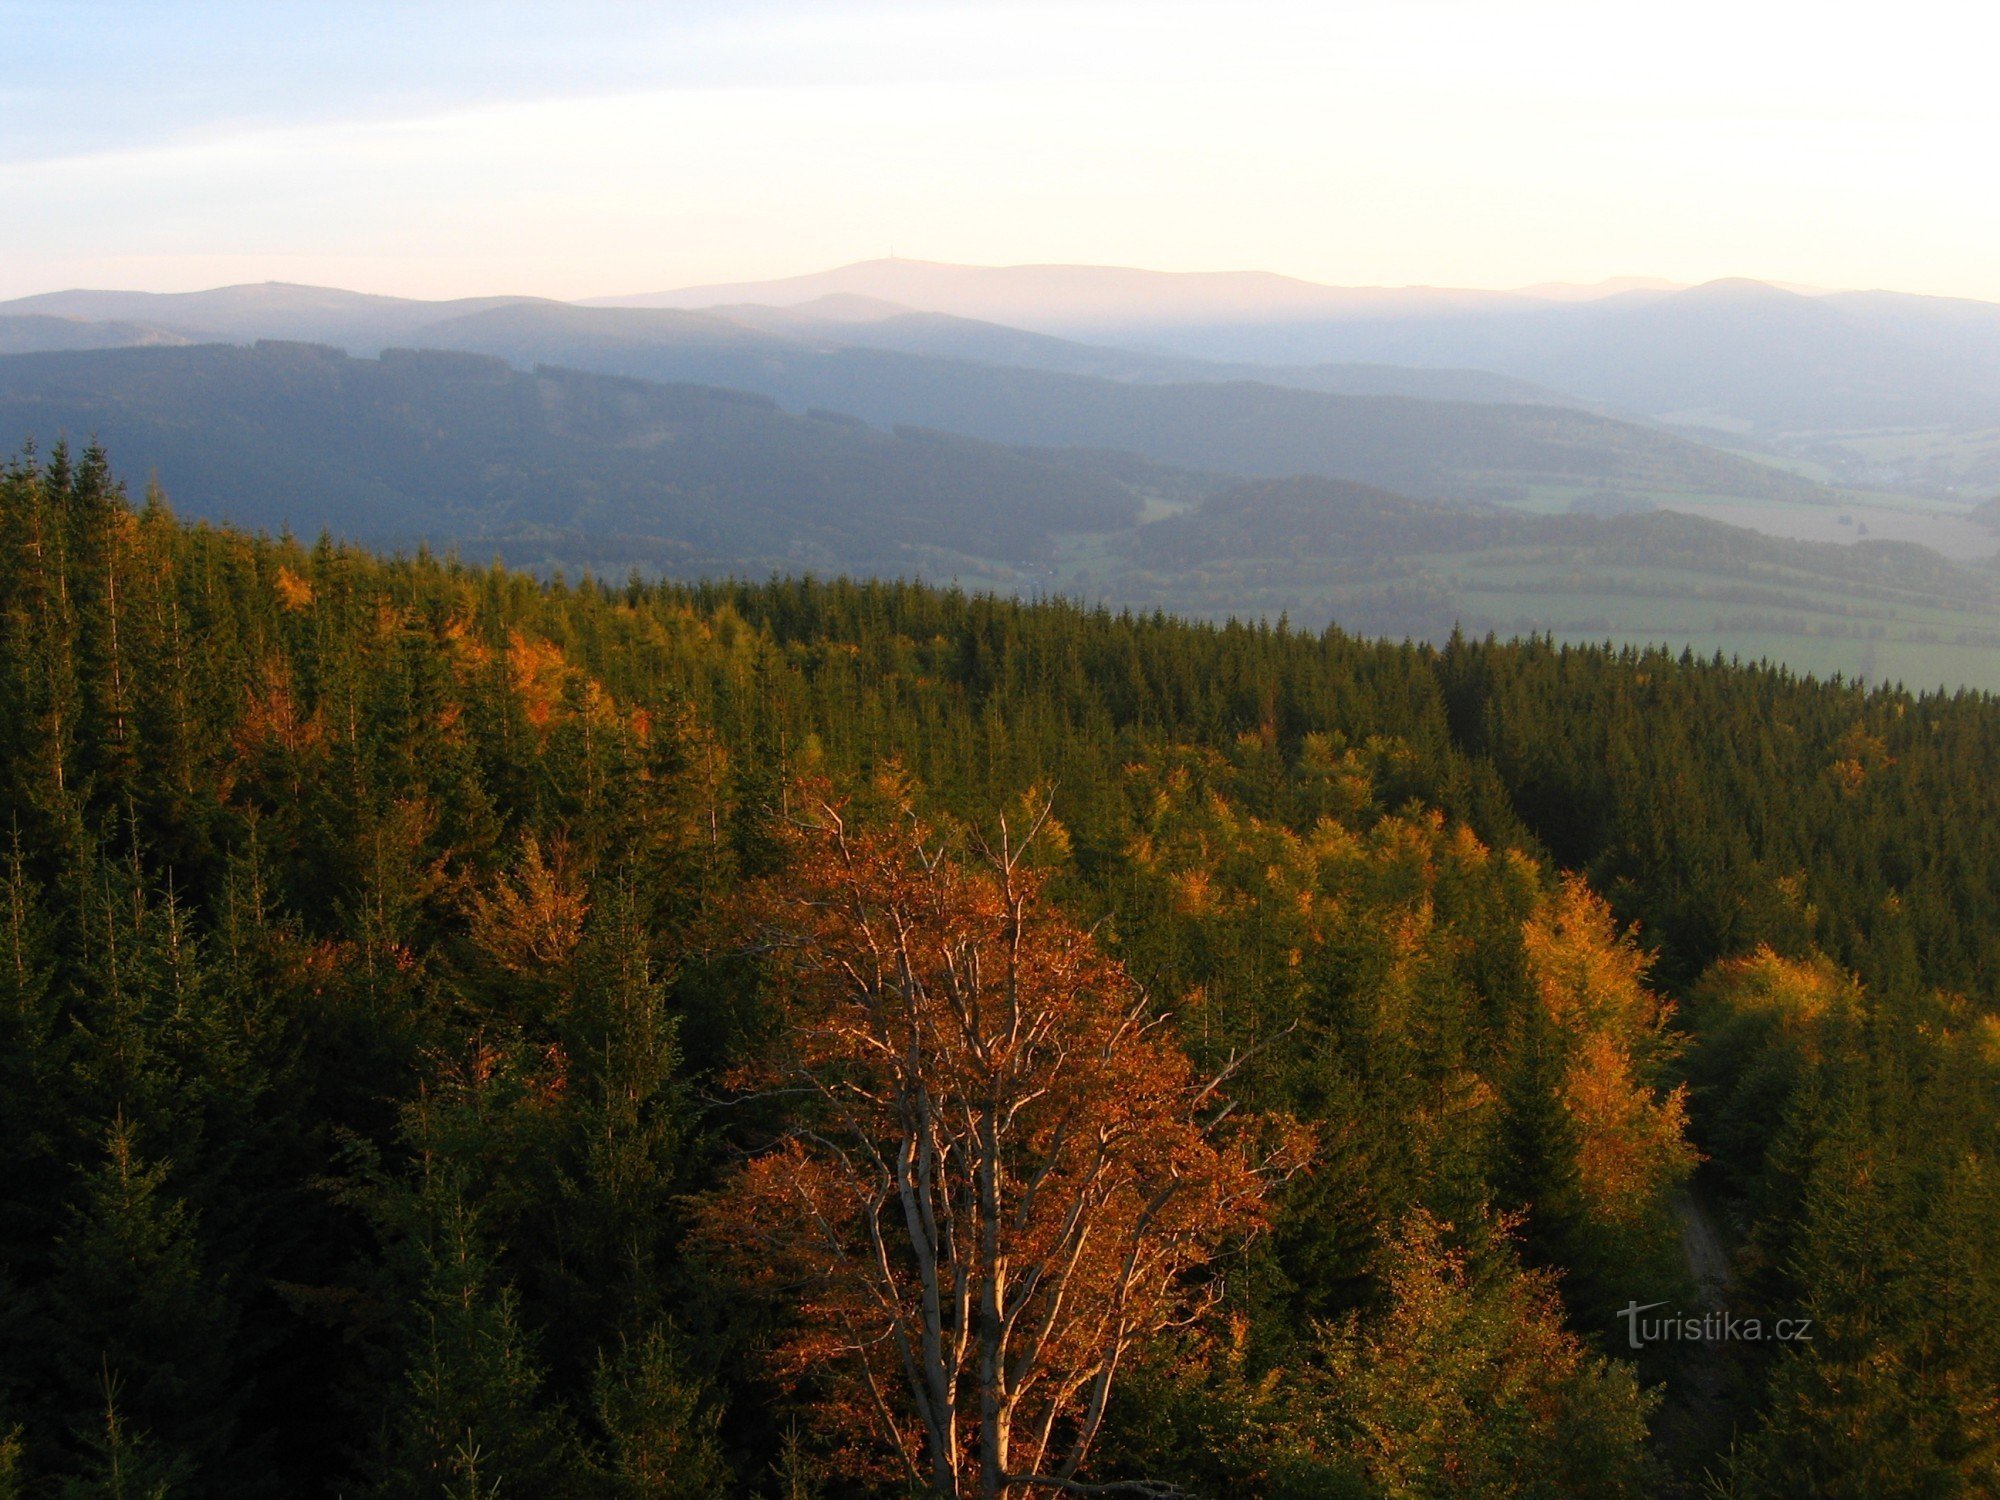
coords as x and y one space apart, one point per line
1043 430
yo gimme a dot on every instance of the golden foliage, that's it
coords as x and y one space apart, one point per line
271 715
532 919
1798 997
537 669
295 594
1591 980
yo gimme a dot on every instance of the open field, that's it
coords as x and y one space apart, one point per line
1893 519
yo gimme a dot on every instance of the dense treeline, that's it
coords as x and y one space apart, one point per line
383 1004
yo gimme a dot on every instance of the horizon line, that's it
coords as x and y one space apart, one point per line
1547 289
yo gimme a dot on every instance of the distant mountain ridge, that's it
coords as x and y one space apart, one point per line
860 322
1372 432
363 323
1878 390
558 466
1063 298
41 333
262 310
1821 375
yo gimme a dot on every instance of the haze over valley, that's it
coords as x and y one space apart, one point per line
1034 429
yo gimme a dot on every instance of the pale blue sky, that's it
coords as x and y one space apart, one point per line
450 148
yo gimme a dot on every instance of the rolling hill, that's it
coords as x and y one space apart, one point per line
44 333
366 324
1379 563
1456 449
1877 389
357 321
865 323
556 466
559 468
1108 302
1364 423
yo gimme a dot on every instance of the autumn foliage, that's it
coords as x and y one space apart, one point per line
441 1035
1591 979
1003 1174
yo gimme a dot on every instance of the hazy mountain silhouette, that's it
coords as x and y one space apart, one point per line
41 333
1431 448
367 324
1740 361
1734 355
262 310
868 323
457 448
1074 300
1729 353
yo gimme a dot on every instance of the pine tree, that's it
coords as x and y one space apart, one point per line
145 1330
659 1423
468 1416
795 1474
121 1464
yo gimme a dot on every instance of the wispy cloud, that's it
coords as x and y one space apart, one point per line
449 147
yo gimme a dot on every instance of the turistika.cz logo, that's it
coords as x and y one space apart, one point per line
1708 1328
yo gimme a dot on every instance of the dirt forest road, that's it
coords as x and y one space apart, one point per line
1695 1426
1707 1261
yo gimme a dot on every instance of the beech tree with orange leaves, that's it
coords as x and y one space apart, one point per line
1001 1173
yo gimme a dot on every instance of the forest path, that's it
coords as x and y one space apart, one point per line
1707 1261
1696 1425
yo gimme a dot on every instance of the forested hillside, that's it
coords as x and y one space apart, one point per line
465 1035
562 469
1448 449
1432 448
557 466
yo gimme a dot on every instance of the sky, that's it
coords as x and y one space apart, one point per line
574 150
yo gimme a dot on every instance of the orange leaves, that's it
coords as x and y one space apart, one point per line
1797 993
1194 893
272 718
549 688
1857 756
1630 1143
1589 974
467 650
532 919
295 594
999 1175
536 669
1590 979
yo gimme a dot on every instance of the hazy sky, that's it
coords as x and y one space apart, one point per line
573 150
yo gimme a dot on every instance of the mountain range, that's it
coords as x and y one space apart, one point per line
1879 390
821 427
1874 387
555 467
1447 434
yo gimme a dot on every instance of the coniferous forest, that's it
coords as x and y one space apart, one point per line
465 1035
